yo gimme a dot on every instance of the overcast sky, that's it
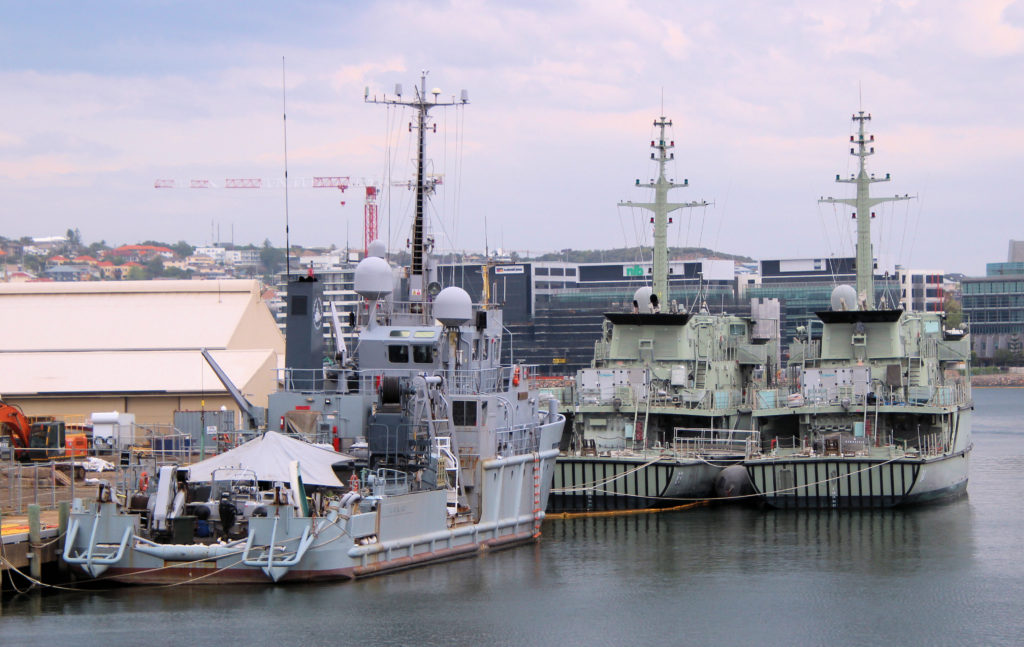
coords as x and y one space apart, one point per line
101 99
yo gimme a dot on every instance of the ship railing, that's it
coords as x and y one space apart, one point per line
518 440
388 482
468 381
699 399
331 380
415 313
625 394
715 443
846 444
691 399
44 484
766 398
954 394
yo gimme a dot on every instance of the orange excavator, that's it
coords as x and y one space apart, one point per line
40 440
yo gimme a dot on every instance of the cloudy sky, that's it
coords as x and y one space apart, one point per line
102 99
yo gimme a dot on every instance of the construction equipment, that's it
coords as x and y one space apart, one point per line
38 439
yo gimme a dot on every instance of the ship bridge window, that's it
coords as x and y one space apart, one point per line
424 334
422 354
399 333
736 329
464 413
398 354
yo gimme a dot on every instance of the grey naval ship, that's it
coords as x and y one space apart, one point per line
449 452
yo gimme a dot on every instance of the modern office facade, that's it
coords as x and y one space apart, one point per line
804 287
993 305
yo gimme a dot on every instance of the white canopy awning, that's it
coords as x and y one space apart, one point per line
269 456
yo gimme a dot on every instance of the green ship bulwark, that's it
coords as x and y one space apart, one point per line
593 484
794 483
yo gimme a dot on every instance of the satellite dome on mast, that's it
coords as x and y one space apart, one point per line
377 248
453 306
642 298
373 279
844 297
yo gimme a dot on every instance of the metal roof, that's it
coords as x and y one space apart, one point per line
133 336
128 315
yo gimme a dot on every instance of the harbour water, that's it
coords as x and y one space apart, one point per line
949 574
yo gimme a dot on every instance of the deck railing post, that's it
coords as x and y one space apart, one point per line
34 539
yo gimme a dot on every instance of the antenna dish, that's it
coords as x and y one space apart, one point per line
844 297
373 279
453 306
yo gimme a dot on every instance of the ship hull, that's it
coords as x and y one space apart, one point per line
403 531
591 484
861 483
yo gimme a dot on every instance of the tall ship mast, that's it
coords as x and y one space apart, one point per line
422 271
862 203
661 409
875 408
661 208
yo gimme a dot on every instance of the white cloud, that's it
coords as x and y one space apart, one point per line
562 98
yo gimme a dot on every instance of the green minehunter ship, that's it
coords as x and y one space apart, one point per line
876 409
660 411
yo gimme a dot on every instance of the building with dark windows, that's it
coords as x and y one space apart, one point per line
993 305
804 287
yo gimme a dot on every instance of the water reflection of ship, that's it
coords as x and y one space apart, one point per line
868 542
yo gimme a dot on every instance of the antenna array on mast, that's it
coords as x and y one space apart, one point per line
864 146
661 207
419 270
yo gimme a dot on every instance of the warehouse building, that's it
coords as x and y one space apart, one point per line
70 349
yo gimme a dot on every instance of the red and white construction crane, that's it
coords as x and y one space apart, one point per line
319 182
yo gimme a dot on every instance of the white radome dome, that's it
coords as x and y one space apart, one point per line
377 248
844 297
453 306
373 279
642 296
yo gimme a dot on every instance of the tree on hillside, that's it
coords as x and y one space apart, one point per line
954 312
155 267
271 258
182 249
73 244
